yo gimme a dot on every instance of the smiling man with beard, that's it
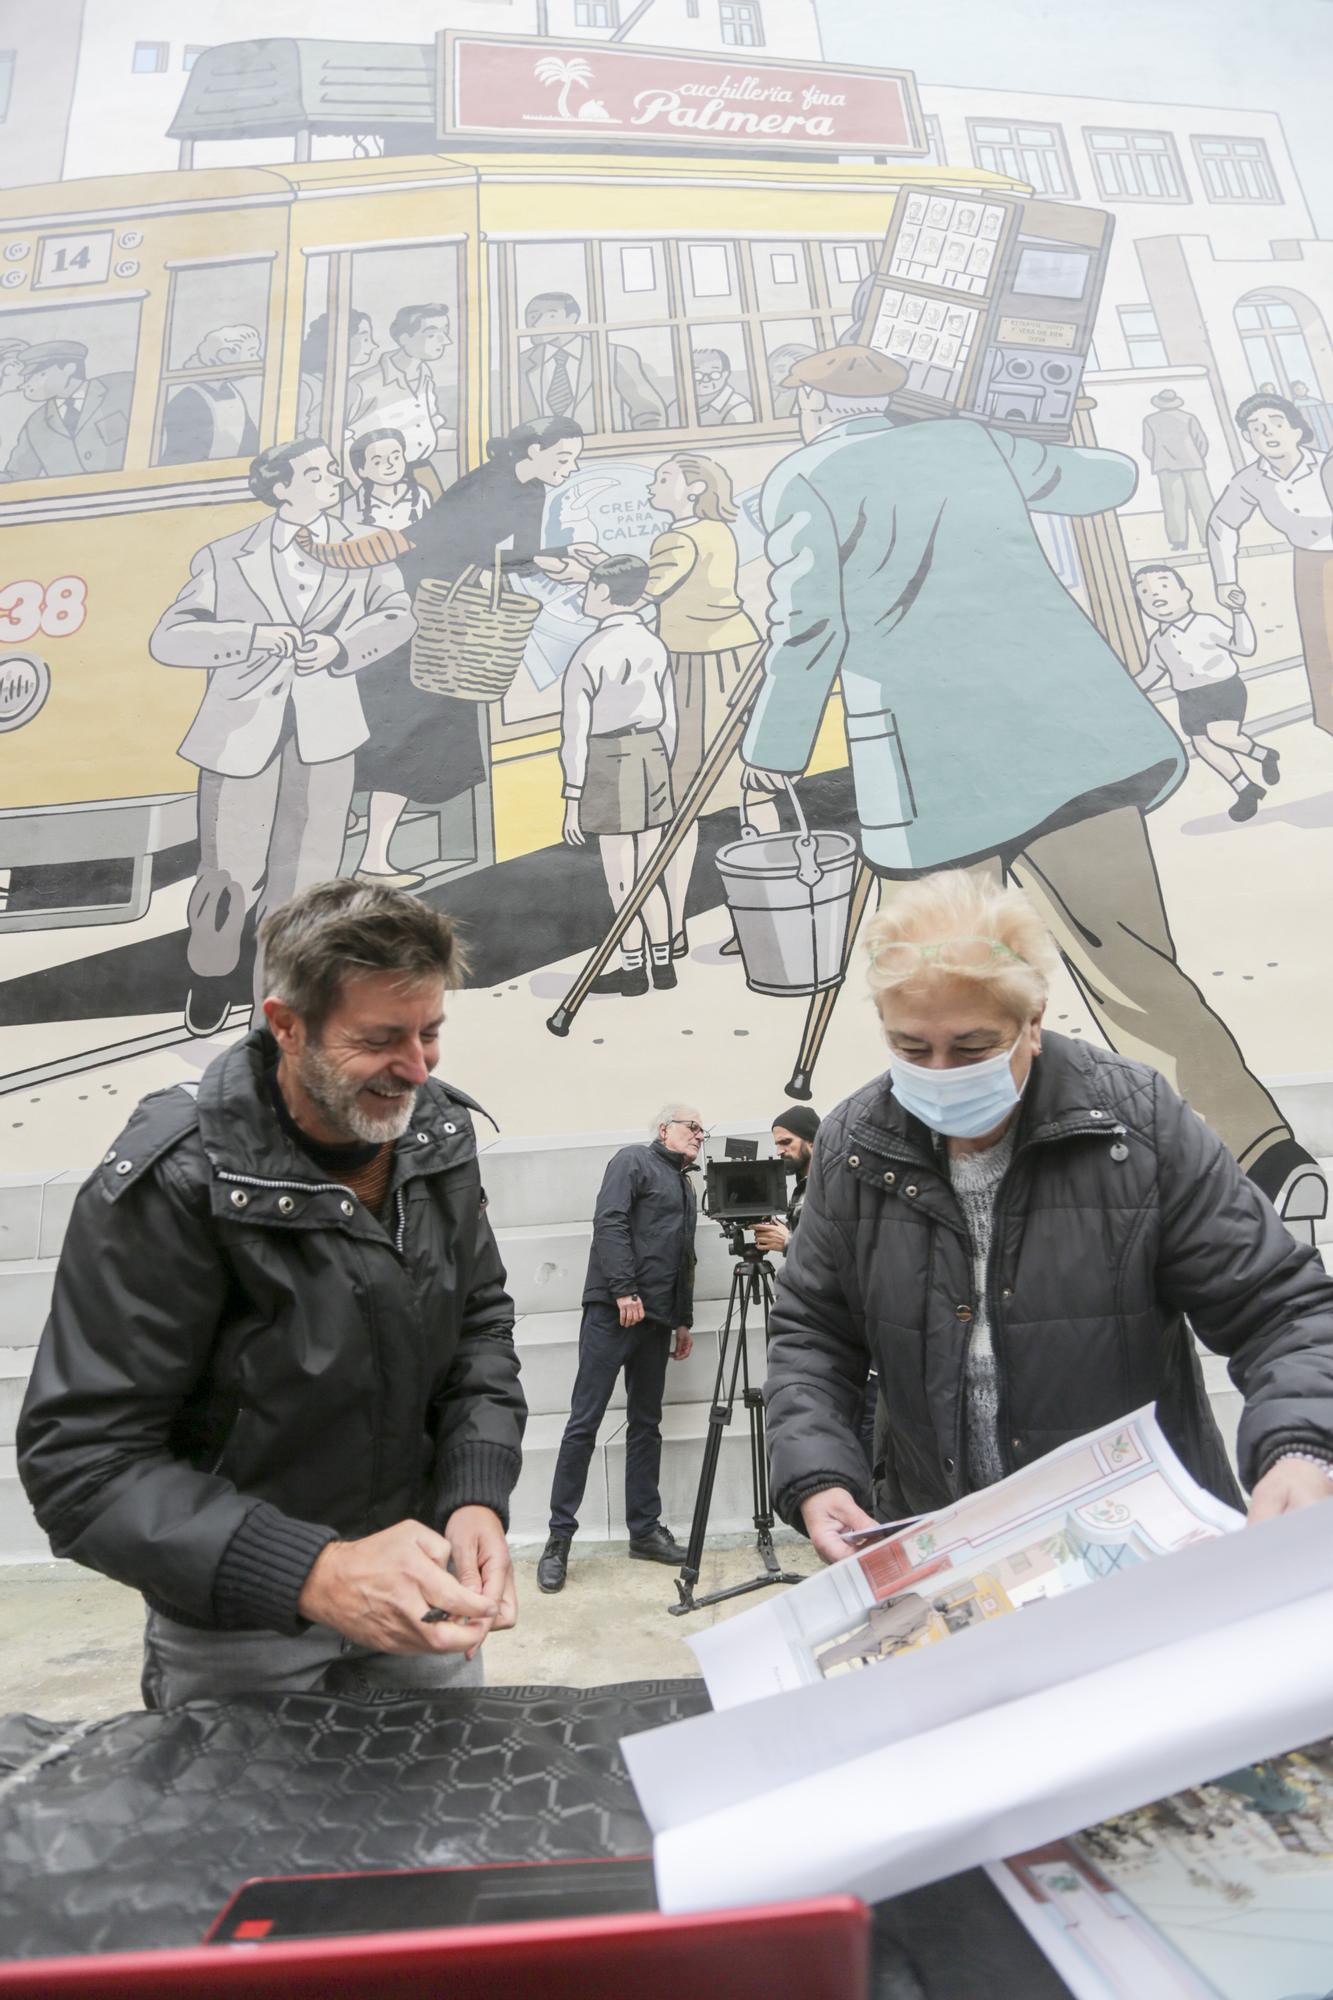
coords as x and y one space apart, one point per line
278 1391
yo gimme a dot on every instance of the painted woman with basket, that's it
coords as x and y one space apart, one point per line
424 705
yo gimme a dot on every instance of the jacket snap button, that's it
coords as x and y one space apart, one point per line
285 1204
450 1129
1119 1152
962 1312
853 1159
107 1158
347 1207
948 1465
1096 1114
423 1138
125 1167
1006 1291
911 1189
892 1179
1017 1443
239 1198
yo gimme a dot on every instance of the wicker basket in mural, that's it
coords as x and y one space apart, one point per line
470 635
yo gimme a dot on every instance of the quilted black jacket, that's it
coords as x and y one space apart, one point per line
1120 1214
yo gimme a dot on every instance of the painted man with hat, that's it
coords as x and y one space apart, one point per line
81 422
989 724
1175 446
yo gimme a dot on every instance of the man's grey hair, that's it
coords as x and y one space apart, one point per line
670 1112
334 931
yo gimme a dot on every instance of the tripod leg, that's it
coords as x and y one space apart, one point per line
698 792
719 1416
822 1003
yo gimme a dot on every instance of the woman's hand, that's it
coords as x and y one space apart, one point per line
573 834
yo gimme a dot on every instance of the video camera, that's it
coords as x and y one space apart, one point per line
742 1189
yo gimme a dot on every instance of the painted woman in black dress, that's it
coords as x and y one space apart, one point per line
427 747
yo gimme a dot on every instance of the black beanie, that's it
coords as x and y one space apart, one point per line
800 1120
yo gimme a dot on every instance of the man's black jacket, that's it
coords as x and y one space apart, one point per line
643 1234
1120 1215
242 1363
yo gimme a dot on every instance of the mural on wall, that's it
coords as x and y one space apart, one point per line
649 501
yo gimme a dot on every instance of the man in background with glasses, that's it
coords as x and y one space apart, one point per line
638 1306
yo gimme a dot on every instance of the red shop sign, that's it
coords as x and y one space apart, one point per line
613 98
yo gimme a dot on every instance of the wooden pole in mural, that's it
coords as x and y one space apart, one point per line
720 752
1100 542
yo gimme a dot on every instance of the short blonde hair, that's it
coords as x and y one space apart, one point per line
956 905
716 502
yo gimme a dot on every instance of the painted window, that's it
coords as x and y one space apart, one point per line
1033 153
596 14
191 53
1274 341
7 62
674 335
1236 169
1136 166
212 384
109 330
1142 337
150 58
741 25
934 136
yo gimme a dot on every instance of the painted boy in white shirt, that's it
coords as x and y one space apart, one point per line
617 733
1197 652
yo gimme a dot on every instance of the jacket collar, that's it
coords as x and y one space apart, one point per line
676 1160
1064 1099
242 1138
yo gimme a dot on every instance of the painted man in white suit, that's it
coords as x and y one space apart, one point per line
275 739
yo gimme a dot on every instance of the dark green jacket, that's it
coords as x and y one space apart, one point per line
1120 1214
242 1363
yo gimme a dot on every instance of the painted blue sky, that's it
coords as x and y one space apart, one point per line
1272 57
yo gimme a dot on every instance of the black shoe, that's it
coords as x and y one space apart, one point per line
657 1546
553 1563
633 981
609 982
1247 801
664 976
1268 764
207 1004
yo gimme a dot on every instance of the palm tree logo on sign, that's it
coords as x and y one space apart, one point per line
565 74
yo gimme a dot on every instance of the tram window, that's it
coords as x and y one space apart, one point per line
720 364
846 265
635 284
710 277
403 350
787 341
781 277
66 384
213 380
642 373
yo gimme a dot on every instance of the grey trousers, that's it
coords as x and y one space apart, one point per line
180 1665
1183 494
270 836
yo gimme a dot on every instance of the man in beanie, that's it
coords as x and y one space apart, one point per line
794 1137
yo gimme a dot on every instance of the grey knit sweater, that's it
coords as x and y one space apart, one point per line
976 1178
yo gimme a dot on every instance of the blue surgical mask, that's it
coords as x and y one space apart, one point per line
962 1103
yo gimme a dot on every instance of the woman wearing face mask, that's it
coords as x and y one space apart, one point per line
1011 1225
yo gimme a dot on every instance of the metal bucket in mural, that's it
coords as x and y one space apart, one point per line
790 897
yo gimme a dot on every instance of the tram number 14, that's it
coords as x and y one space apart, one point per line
57 609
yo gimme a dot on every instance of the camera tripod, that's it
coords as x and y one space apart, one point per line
751 1284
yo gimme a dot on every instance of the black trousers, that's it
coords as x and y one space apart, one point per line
605 1348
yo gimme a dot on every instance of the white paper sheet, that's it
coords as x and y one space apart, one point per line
1022 1732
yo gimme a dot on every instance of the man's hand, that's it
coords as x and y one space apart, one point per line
481 1559
1232 596
573 834
755 780
771 1235
682 1347
1286 1486
280 639
376 1592
316 651
631 1309
827 1515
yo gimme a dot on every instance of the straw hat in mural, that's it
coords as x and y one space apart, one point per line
847 371
1167 399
